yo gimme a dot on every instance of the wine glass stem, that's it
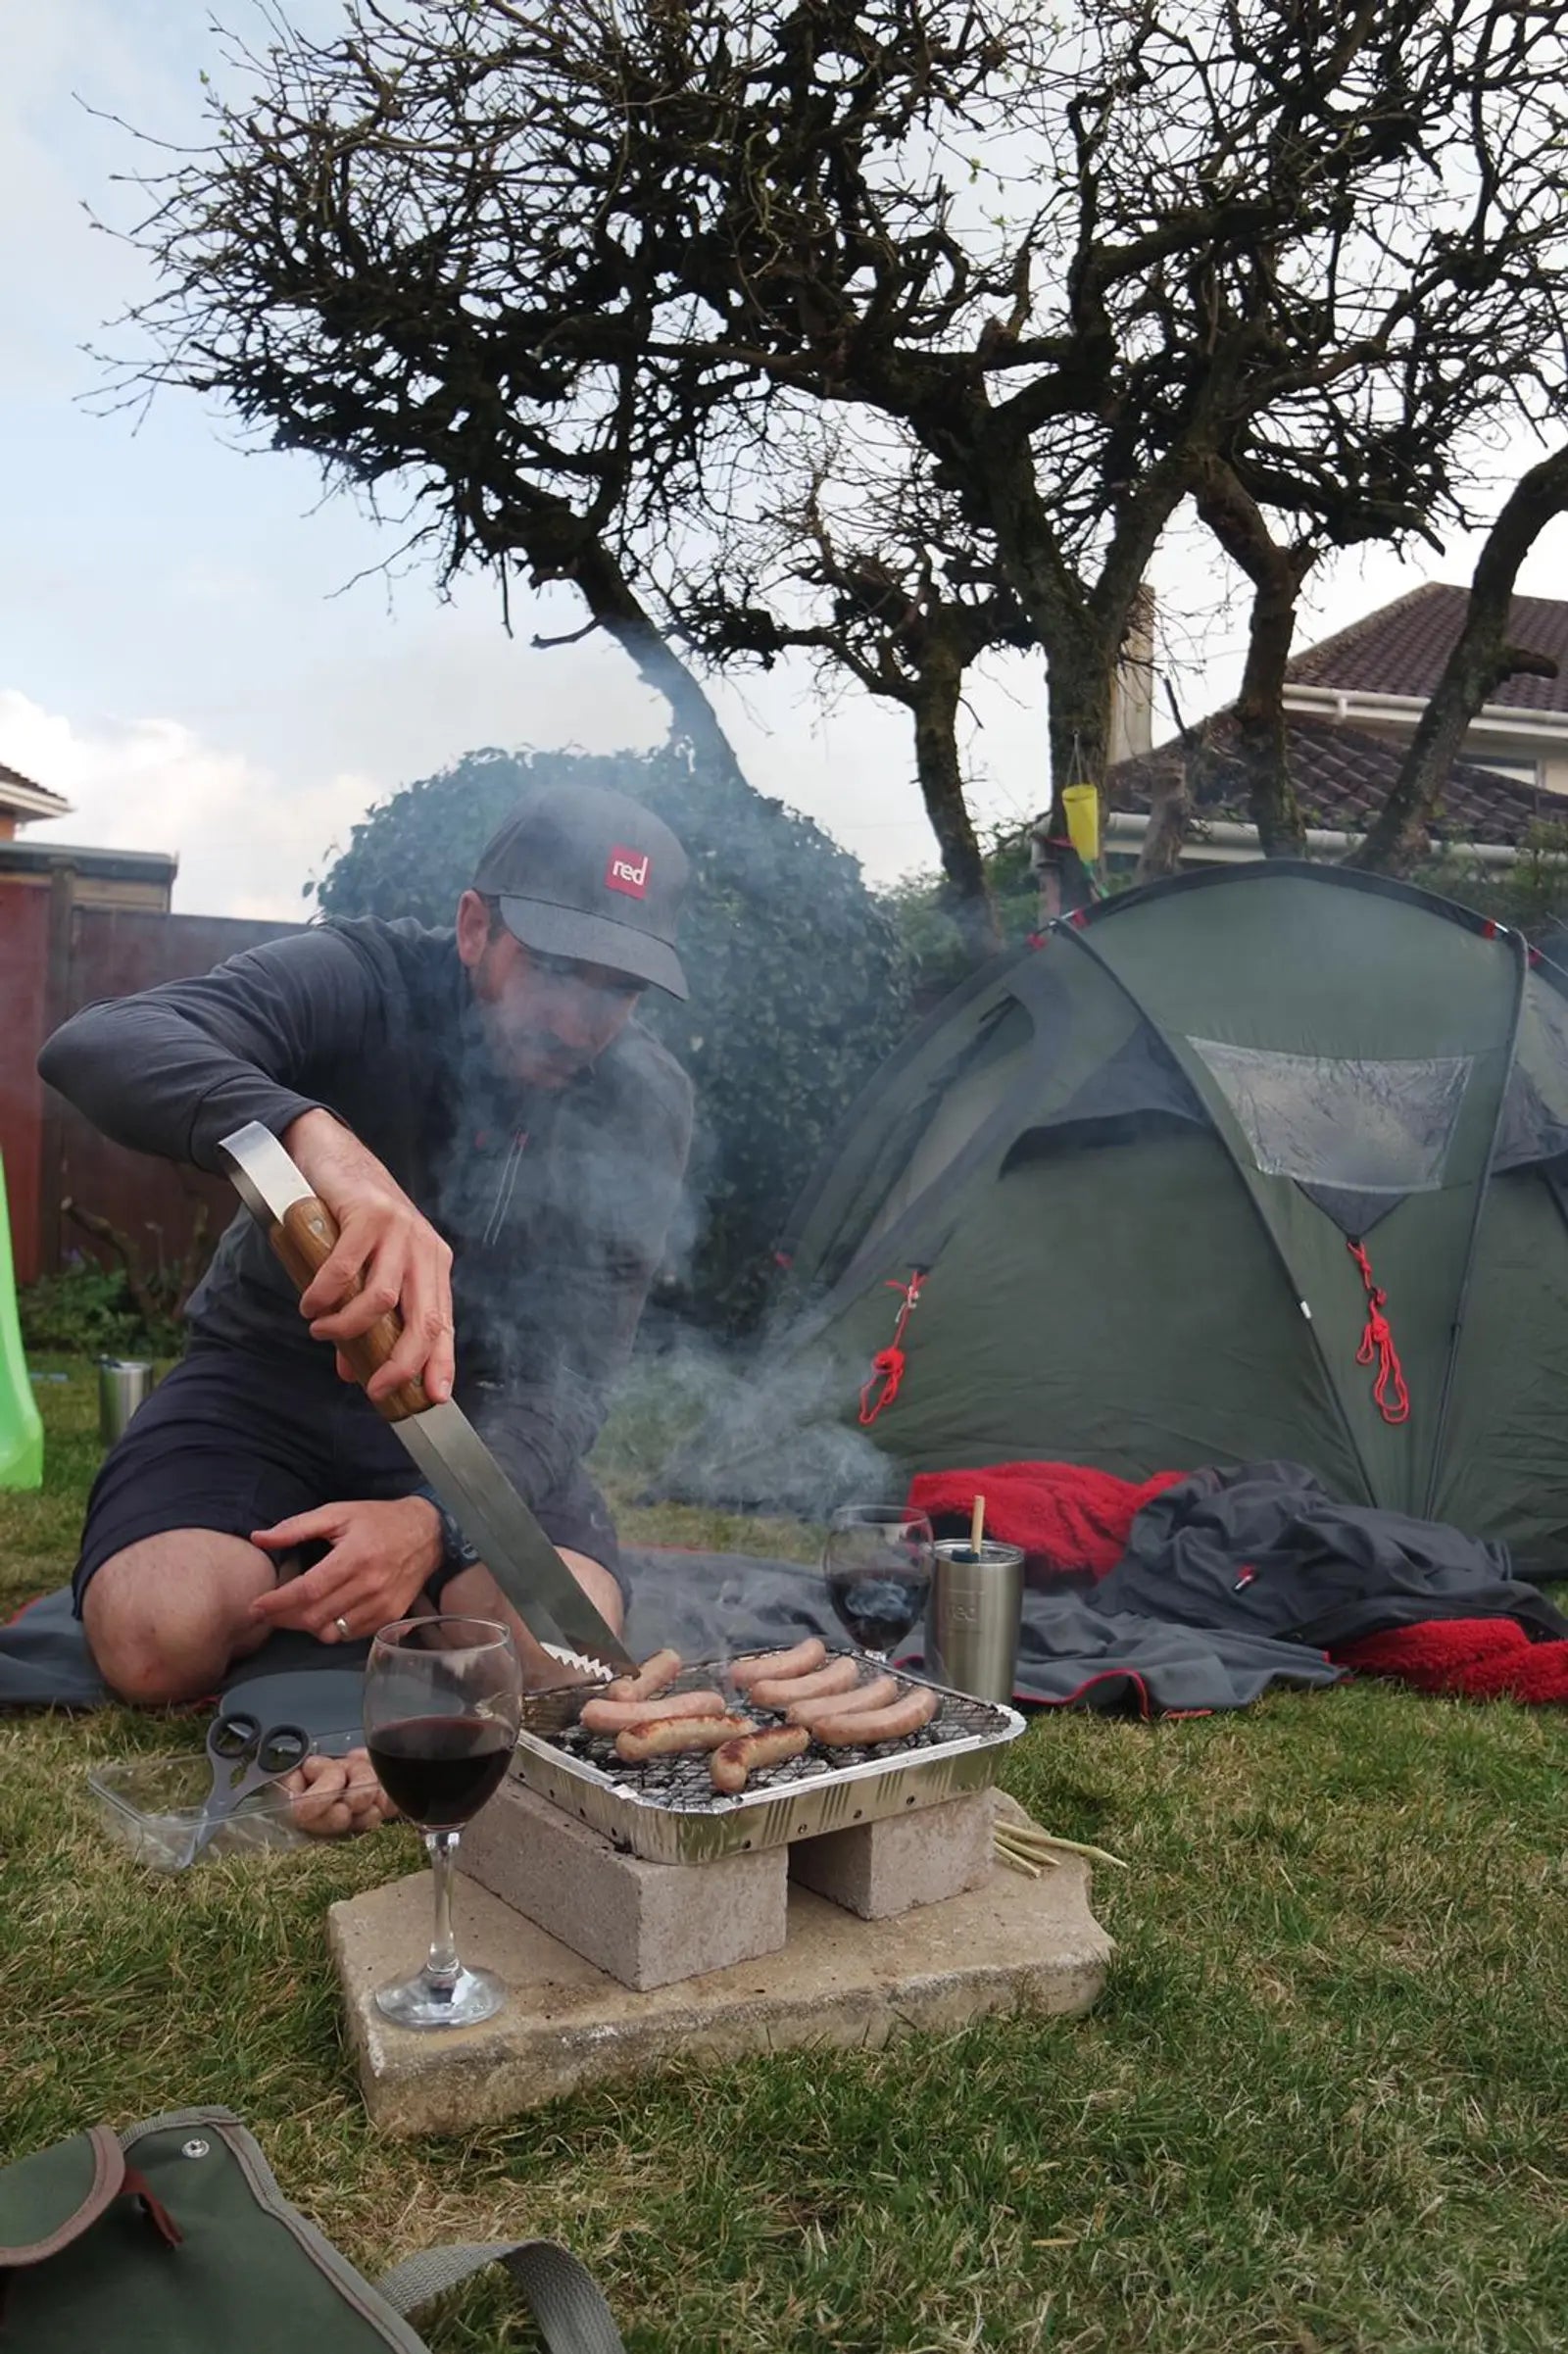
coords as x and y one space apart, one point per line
443 1965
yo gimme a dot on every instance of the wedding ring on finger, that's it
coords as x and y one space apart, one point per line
342 1626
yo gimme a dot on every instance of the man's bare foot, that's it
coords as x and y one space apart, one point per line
336 1796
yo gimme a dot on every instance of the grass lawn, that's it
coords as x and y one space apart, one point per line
1320 2106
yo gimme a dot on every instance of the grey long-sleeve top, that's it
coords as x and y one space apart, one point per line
557 1205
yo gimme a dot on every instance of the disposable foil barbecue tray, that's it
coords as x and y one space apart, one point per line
668 1812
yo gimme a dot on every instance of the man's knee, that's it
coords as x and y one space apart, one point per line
163 1618
132 1660
143 1679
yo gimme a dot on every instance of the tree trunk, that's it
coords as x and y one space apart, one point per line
1262 740
1482 659
1276 574
622 616
938 692
1080 631
1082 683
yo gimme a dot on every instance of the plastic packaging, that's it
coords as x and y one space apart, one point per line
151 1806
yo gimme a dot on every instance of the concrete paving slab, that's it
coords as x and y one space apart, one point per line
839 1982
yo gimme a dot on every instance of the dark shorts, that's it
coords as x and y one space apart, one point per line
235 1442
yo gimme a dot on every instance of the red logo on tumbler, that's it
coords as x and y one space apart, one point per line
627 871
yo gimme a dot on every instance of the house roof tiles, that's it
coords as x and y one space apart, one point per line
1343 777
1402 648
14 778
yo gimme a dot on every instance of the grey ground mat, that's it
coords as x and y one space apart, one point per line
45 1663
708 1604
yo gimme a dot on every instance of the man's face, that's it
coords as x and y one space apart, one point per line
546 1019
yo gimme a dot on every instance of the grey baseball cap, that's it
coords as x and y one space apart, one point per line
590 874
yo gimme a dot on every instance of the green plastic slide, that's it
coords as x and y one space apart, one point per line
21 1430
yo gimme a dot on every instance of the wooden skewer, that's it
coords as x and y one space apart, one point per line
1010 1850
1016 1862
977 1526
1029 1840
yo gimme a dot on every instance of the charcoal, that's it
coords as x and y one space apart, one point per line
684 1781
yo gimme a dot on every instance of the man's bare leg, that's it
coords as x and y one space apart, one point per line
474 1593
168 1617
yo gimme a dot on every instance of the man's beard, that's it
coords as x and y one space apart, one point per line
532 1056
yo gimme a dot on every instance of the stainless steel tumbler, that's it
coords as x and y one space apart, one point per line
123 1384
974 1617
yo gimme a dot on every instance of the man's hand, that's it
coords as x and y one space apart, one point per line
384 1241
381 1556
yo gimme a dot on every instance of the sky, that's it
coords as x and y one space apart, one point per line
189 649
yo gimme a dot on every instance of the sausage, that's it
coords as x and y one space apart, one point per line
599 1715
892 1723
781 1692
729 1766
875 1695
765 1667
669 1736
651 1678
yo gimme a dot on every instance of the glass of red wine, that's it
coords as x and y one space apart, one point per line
443 1698
878 1561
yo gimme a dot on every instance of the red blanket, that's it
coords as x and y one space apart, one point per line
1069 1518
1065 1516
1472 1658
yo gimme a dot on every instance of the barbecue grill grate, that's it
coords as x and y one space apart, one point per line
685 1781
668 1810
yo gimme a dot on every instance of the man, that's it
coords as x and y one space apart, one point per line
502 1146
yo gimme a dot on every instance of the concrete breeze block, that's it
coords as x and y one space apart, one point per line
879 1869
644 1924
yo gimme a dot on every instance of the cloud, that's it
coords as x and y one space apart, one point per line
245 845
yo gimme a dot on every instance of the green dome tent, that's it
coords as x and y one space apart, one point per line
1153 1176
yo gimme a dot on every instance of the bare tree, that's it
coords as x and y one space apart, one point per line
568 272
871 572
1438 315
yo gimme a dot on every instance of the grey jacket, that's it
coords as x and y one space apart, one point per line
557 1205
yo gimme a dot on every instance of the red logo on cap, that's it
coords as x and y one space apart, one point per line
627 871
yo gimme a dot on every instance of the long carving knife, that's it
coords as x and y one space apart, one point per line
442 1440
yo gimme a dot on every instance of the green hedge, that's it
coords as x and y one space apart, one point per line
799 982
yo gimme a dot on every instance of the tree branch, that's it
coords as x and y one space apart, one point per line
1481 660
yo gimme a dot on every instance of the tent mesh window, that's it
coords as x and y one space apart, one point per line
1332 1120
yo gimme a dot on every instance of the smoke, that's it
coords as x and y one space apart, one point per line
559 1227
755 1428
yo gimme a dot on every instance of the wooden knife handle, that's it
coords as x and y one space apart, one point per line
305 1240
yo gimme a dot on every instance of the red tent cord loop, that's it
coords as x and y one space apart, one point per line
1390 1394
887 1366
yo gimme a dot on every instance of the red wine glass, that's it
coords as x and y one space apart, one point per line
443 1698
878 1562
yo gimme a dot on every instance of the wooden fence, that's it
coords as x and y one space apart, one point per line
58 954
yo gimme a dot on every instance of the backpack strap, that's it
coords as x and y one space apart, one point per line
559 2291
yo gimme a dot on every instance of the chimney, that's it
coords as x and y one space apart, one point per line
1132 695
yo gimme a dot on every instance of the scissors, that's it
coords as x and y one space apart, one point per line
243 1754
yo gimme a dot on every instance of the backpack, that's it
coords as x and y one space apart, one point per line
173 2238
